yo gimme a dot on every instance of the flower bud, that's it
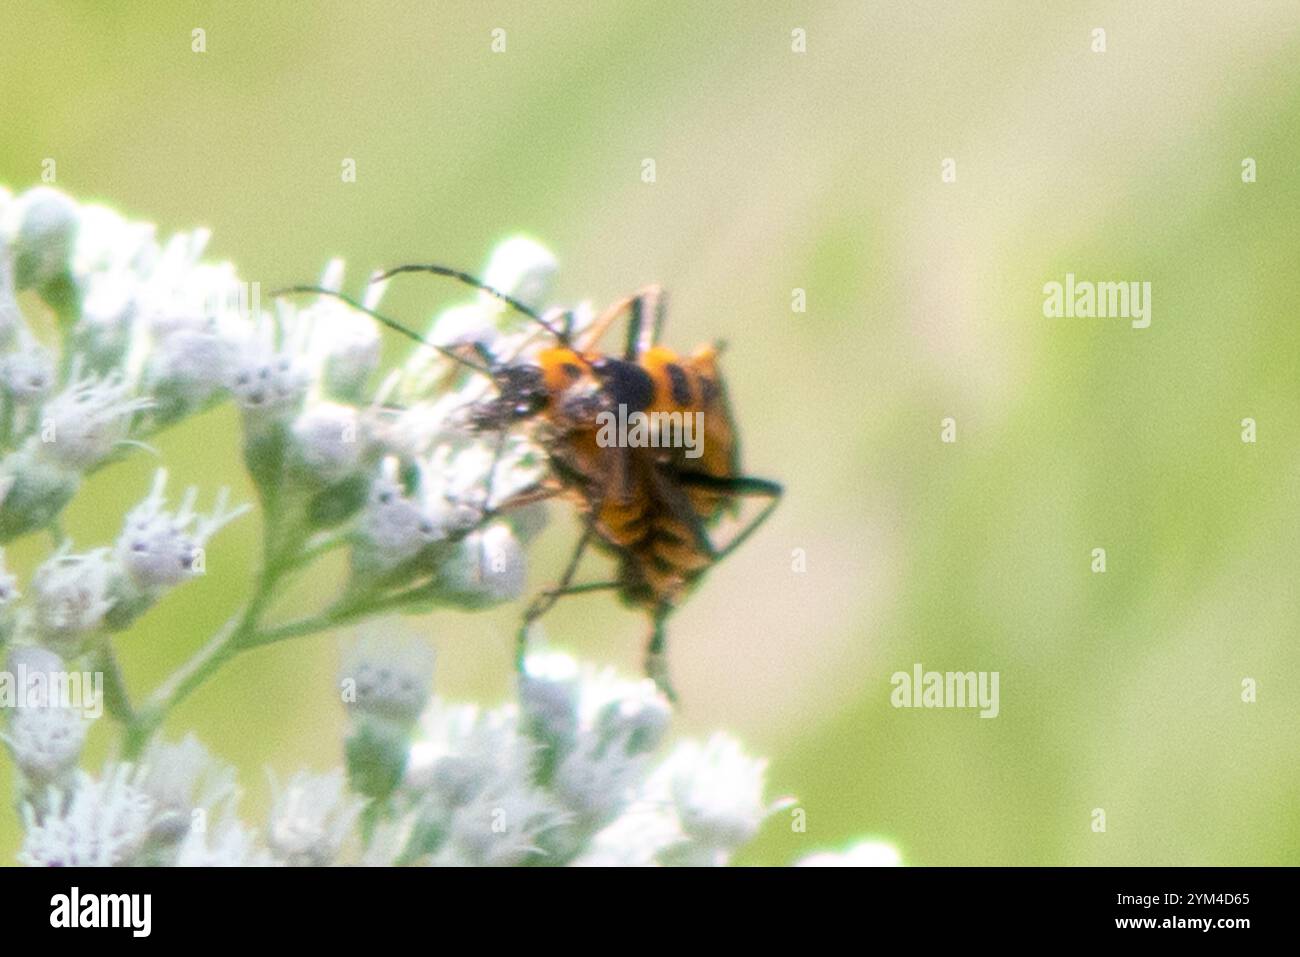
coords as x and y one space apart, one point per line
522 268
39 665
387 676
35 491
96 823
85 422
191 358
637 721
549 689
266 382
46 740
41 225
718 792
487 568
180 779
158 548
394 526
311 817
107 310
70 596
375 753
27 374
327 439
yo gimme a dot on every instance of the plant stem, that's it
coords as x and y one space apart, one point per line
219 649
116 699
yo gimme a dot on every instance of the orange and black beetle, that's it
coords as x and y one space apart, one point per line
649 506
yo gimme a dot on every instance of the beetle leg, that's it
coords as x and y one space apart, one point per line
547 599
656 659
738 485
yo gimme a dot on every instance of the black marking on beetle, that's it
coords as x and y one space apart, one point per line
627 383
681 386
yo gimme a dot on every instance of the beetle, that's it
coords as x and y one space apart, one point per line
651 507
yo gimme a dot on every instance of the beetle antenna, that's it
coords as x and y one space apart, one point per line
390 323
463 277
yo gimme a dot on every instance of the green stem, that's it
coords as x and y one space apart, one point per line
241 632
317 546
116 699
339 614
218 650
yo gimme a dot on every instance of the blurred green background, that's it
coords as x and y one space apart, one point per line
820 171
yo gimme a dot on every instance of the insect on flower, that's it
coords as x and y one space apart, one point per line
649 503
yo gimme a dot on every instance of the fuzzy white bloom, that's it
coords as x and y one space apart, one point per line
178 291
635 715
640 837
393 525
718 793
108 313
46 741
489 567
88 419
27 374
39 665
550 688
311 817
500 828
161 548
71 595
107 241
604 730
182 779
569 778
194 318
472 773
267 380
863 854
463 472
524 268
345 343
388 676
229 843
193 358
100 822
328 438
461 752
596 782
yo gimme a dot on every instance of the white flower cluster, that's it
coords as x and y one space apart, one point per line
173 808
390 467
76 598
571 775
152 333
